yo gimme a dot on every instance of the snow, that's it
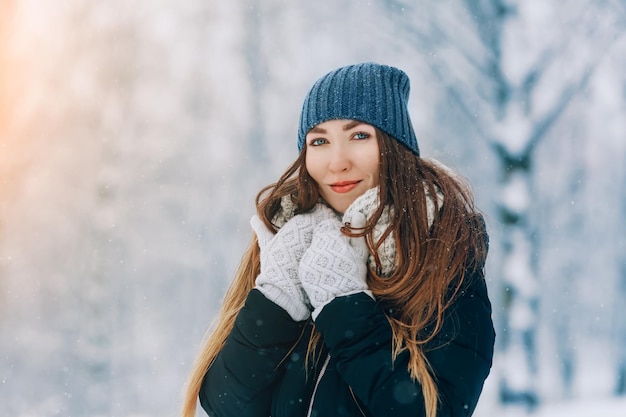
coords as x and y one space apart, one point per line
605 407
127 179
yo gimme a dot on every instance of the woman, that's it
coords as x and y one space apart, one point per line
362 292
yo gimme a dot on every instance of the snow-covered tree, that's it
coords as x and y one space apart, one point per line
514 72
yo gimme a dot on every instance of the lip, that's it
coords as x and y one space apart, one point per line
344 186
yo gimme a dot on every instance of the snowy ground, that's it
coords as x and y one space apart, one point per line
608 407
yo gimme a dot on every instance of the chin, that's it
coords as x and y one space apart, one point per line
340 203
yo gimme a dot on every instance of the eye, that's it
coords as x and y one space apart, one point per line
317 142
361 135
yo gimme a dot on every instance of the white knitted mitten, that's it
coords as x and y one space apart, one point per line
280 256
334 264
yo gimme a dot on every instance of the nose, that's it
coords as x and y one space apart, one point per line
339 160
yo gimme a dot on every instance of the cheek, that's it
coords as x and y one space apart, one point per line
371 158
373 164
375 179
312 167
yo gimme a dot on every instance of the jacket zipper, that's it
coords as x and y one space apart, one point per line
317 383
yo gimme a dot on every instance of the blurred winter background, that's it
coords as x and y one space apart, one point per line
134 135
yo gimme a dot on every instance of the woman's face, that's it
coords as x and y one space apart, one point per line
342 157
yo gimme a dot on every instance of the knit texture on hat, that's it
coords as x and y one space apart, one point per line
372 93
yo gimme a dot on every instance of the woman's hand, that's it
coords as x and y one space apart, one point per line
334 264
280 256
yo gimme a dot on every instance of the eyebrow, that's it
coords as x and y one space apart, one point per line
351 124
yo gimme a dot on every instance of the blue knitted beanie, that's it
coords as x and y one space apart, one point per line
369 92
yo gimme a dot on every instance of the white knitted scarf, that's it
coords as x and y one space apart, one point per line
367 204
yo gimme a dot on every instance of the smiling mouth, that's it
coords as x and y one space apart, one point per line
344 186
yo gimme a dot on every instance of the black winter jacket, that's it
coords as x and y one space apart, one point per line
261 370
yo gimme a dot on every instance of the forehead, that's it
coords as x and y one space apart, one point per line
344 124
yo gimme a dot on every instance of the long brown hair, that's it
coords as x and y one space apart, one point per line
432 260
